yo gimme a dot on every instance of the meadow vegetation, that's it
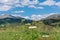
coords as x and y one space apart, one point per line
23 32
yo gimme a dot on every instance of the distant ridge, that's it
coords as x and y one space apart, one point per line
54 16
52 20
12 19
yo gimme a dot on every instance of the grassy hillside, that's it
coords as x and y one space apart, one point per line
40 31
52 22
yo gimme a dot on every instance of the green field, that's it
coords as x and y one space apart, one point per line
23 32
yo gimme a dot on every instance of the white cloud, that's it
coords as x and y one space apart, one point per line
36 17
5 7
40 7
39 17
34 2
9 1
19 5
28 2
7 4
33 6
48 2
16 15
21 11
26 17
57 4
15 3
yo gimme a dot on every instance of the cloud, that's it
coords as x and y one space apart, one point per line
48 2
40 7
33 6
28 2
34 2
39 17
57 4
26 17
21 11
7 4
36 17
5 7
19 5
15 15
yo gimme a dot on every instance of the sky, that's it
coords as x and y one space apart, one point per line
30 8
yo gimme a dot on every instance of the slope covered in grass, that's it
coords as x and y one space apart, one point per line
23 32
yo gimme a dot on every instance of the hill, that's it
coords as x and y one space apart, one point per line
52 20
13 19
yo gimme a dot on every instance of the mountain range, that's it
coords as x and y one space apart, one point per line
6 18
18 19
52 20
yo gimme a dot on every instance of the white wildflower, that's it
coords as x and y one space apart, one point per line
16 34
2 25
45 35
32 27
57 30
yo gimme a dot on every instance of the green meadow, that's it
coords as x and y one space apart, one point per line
23 32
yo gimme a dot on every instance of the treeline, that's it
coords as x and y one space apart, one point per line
52 22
